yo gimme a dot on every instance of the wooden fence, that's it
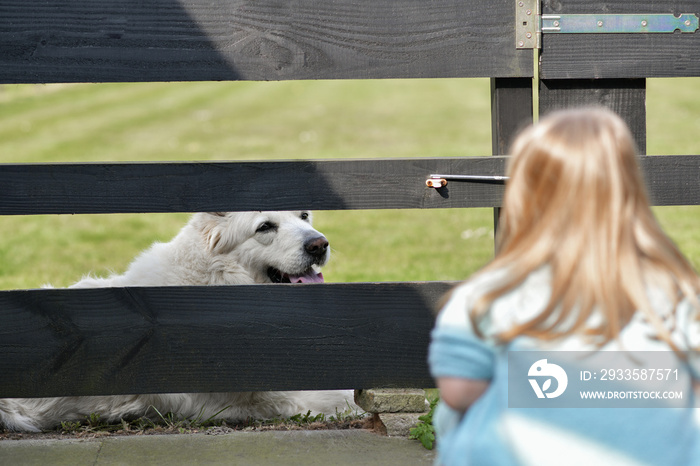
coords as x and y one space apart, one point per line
147 340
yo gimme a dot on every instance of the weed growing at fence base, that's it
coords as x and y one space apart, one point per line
424 430
171 423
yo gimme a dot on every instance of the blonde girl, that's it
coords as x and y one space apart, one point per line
581 264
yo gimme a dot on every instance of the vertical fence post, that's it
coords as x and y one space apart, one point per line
512 106
511 110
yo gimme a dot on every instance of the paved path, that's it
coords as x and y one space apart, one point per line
322 447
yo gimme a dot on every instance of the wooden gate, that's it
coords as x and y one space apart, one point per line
147 340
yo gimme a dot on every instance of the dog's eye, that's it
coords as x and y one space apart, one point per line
266 226
304 215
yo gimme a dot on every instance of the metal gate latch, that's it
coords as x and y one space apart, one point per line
440 181
530 24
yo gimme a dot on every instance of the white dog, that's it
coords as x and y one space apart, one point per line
212 249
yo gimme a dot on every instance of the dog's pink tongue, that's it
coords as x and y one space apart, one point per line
310 277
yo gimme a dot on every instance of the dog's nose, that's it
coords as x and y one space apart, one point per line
317 247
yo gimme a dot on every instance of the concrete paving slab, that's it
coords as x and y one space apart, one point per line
324 447
48 452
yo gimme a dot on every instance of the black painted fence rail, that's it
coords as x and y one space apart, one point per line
318 185
204 40
239 186
636 55
211 339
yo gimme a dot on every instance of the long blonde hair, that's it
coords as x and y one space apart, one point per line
576 201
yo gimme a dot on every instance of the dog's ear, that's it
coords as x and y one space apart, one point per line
213 237
211 228
218 232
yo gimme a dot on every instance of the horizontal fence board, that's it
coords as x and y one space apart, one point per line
221 186
215 339
672 180
318 185
171 40
620 55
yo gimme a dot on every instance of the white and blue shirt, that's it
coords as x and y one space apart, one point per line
491 433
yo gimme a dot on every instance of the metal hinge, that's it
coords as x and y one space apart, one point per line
528 24
531 24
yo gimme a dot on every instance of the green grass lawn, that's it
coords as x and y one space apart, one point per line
282 120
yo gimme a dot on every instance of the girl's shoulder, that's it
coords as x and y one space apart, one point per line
525 299
455 312
681 319
688 316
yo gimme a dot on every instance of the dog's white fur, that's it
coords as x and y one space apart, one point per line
212 249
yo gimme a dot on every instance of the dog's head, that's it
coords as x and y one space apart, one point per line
273 247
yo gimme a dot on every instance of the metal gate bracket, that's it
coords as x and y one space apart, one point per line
530 24
597 24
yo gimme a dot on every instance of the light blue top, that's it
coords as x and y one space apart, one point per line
491 433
